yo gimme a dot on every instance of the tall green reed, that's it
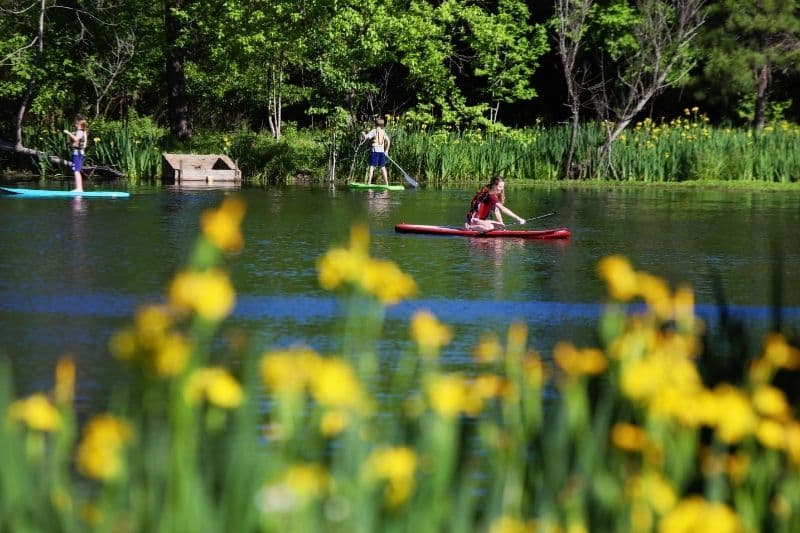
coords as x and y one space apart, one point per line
686 148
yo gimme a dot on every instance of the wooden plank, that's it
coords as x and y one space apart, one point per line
207 175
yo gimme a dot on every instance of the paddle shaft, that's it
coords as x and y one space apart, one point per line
408 178
519 223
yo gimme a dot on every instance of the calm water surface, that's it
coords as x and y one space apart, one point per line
74 271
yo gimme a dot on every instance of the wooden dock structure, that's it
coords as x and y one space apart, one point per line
194 169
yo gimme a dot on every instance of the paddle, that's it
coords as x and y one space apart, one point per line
504 226
408 178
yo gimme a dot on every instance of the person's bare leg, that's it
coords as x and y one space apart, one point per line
385 175
369 175
78 181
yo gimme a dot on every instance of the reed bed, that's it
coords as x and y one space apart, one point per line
133 148
634 435
685 148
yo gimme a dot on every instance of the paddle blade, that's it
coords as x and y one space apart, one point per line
408 178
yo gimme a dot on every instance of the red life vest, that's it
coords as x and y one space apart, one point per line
478 207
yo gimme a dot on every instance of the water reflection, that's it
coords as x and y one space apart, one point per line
378 202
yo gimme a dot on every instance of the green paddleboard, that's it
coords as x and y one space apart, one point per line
375 186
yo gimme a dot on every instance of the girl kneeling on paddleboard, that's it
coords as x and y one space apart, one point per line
489 201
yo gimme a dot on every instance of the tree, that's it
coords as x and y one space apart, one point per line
752 41
177 99
570 23
645 49
507 49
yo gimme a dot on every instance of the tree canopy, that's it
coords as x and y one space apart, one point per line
457 62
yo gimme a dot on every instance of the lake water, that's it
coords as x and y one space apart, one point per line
74 271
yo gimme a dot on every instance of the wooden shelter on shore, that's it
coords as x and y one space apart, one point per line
194 169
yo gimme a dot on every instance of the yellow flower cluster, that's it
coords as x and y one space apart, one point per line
307 480
451 395
221 226
428 333
37 412
698 514
215 385
656 370
209 293
153 343
625 283
352 267
99 454
331 382
574 362
397 466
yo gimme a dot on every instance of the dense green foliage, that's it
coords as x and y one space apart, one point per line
317 71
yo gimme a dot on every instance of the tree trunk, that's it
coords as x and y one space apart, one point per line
30 91
762 88
178 102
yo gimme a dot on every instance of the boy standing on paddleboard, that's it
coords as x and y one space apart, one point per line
380 148
78 144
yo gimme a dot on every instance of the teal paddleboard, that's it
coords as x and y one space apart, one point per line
45 193
375 186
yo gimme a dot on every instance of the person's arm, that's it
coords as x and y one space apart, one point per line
386 144
510 213
72 136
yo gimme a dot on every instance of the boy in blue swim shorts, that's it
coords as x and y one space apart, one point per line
379 151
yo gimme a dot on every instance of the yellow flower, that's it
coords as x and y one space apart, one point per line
65 381
488 349
771 434
488 386
172 355
385 281
576 362
429 334
450 395
780 353
654 489
397 465
307 480
533 370
99 454
216 385
152 324
353 267
123 344
620 277
334 384
340 266
222 226
656 293
770 401
209 293
735 418
288 371
333 422
697 514
36 412
628 437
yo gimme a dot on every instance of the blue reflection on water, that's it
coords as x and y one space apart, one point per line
310 308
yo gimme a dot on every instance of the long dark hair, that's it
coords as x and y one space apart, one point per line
496 179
